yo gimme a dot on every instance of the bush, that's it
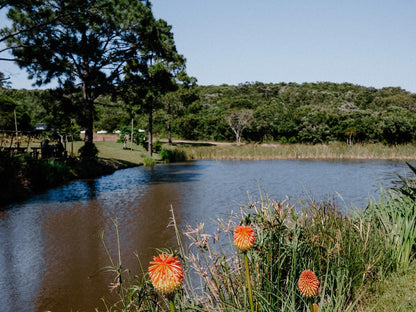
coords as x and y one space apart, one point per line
88 151
149 161
156 146
172 155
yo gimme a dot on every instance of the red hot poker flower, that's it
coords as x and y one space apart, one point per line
244 237
308 283
166 273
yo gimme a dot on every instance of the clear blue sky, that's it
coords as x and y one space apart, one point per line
365 42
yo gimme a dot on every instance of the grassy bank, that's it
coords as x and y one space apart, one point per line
189 150
114 151
362 261
297 151
21 176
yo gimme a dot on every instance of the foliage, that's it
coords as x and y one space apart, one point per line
310 113
408 185
149 161
4 81
238 120
172 155
88 151
21 175
396 216
153 74
350 254
335 150
89 44
139 138
8 109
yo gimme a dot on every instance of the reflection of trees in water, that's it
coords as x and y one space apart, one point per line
21 258
91 189
74 254
75 251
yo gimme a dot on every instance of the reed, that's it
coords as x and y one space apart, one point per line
149 161
348 253
395 215
344 252
299 151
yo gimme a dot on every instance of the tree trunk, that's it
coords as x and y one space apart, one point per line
238 139
89 121
86 90
169 126
150 143
169 134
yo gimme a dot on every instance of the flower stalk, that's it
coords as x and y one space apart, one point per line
244 240
171 304
250 292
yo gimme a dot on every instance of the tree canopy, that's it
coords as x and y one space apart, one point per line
83 44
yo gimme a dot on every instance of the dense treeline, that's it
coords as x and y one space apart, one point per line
304 113
284 112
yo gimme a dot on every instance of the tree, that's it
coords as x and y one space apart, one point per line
80 43
4 83
153 74
175 102
8 110
398 125
238 120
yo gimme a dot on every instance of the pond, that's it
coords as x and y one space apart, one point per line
51 251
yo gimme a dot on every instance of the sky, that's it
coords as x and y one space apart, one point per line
366 42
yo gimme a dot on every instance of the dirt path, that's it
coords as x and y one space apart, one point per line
197 142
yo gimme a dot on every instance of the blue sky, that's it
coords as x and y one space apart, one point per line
366 42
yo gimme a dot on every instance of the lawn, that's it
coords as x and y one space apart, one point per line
115 151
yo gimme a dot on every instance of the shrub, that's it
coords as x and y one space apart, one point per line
149 161
88 151
172 155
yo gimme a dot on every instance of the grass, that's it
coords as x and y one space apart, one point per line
394 294
188 150
298 151
353 256
115 151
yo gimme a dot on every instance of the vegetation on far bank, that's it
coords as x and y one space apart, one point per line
309 113
334 150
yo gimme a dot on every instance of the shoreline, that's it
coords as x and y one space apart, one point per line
112 158
333 151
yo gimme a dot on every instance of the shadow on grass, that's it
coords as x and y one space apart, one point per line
195 144
117 163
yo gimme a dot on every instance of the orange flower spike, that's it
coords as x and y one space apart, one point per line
166 273
308 284
244 237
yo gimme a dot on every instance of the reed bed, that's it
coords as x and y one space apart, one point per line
299 151
348 254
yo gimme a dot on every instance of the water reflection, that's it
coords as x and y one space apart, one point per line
51 251
21 259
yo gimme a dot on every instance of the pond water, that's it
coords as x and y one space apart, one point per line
51 251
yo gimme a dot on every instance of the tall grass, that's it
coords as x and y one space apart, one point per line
396 217
299 151
348 253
